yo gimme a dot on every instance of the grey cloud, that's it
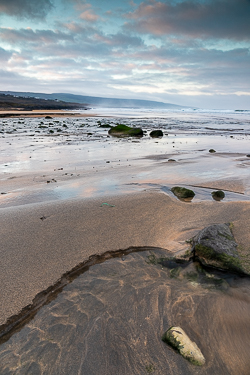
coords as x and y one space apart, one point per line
26 8
228 19
126 40
4 55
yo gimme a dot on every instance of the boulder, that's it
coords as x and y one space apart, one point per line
215 246
156 133
121 130
182 192
218 195
179 340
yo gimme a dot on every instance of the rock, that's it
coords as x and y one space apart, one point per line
48 117
211 150
182 192
156 133
105 126
178 339
218 195
215 246
121 130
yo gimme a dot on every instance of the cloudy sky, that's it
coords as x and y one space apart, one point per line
188 52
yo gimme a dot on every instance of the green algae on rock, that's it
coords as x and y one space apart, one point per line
179 340
218 195
121 130
215 246
181 192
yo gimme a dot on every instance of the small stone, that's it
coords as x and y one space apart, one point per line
211 150
178 339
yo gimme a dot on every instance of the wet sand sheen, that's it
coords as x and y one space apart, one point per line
111 319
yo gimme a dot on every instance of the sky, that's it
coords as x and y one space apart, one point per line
187 52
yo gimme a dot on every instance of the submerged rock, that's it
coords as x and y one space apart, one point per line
156 133
215 246
178 339
121 130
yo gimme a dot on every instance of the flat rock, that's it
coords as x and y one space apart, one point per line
178 339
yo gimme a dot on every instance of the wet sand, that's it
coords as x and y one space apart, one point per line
110 320
53 218
42 241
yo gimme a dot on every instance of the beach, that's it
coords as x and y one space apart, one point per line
71 193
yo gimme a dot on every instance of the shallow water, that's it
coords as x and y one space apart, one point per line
110 320
62 158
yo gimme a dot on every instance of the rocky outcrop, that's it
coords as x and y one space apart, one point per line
215 246
179 340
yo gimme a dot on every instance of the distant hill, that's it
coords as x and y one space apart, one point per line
96 101
10 102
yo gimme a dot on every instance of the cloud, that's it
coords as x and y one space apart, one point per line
4 55
26 8
26 36
89 16
227 19
86 11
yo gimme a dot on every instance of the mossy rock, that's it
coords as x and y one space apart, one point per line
212 151
179 340
121 130
218 194
156 133
215 246
182 192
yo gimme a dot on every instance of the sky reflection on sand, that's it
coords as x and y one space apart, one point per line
64 158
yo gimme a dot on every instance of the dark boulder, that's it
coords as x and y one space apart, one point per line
182 193
215 246
156 133
218 195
